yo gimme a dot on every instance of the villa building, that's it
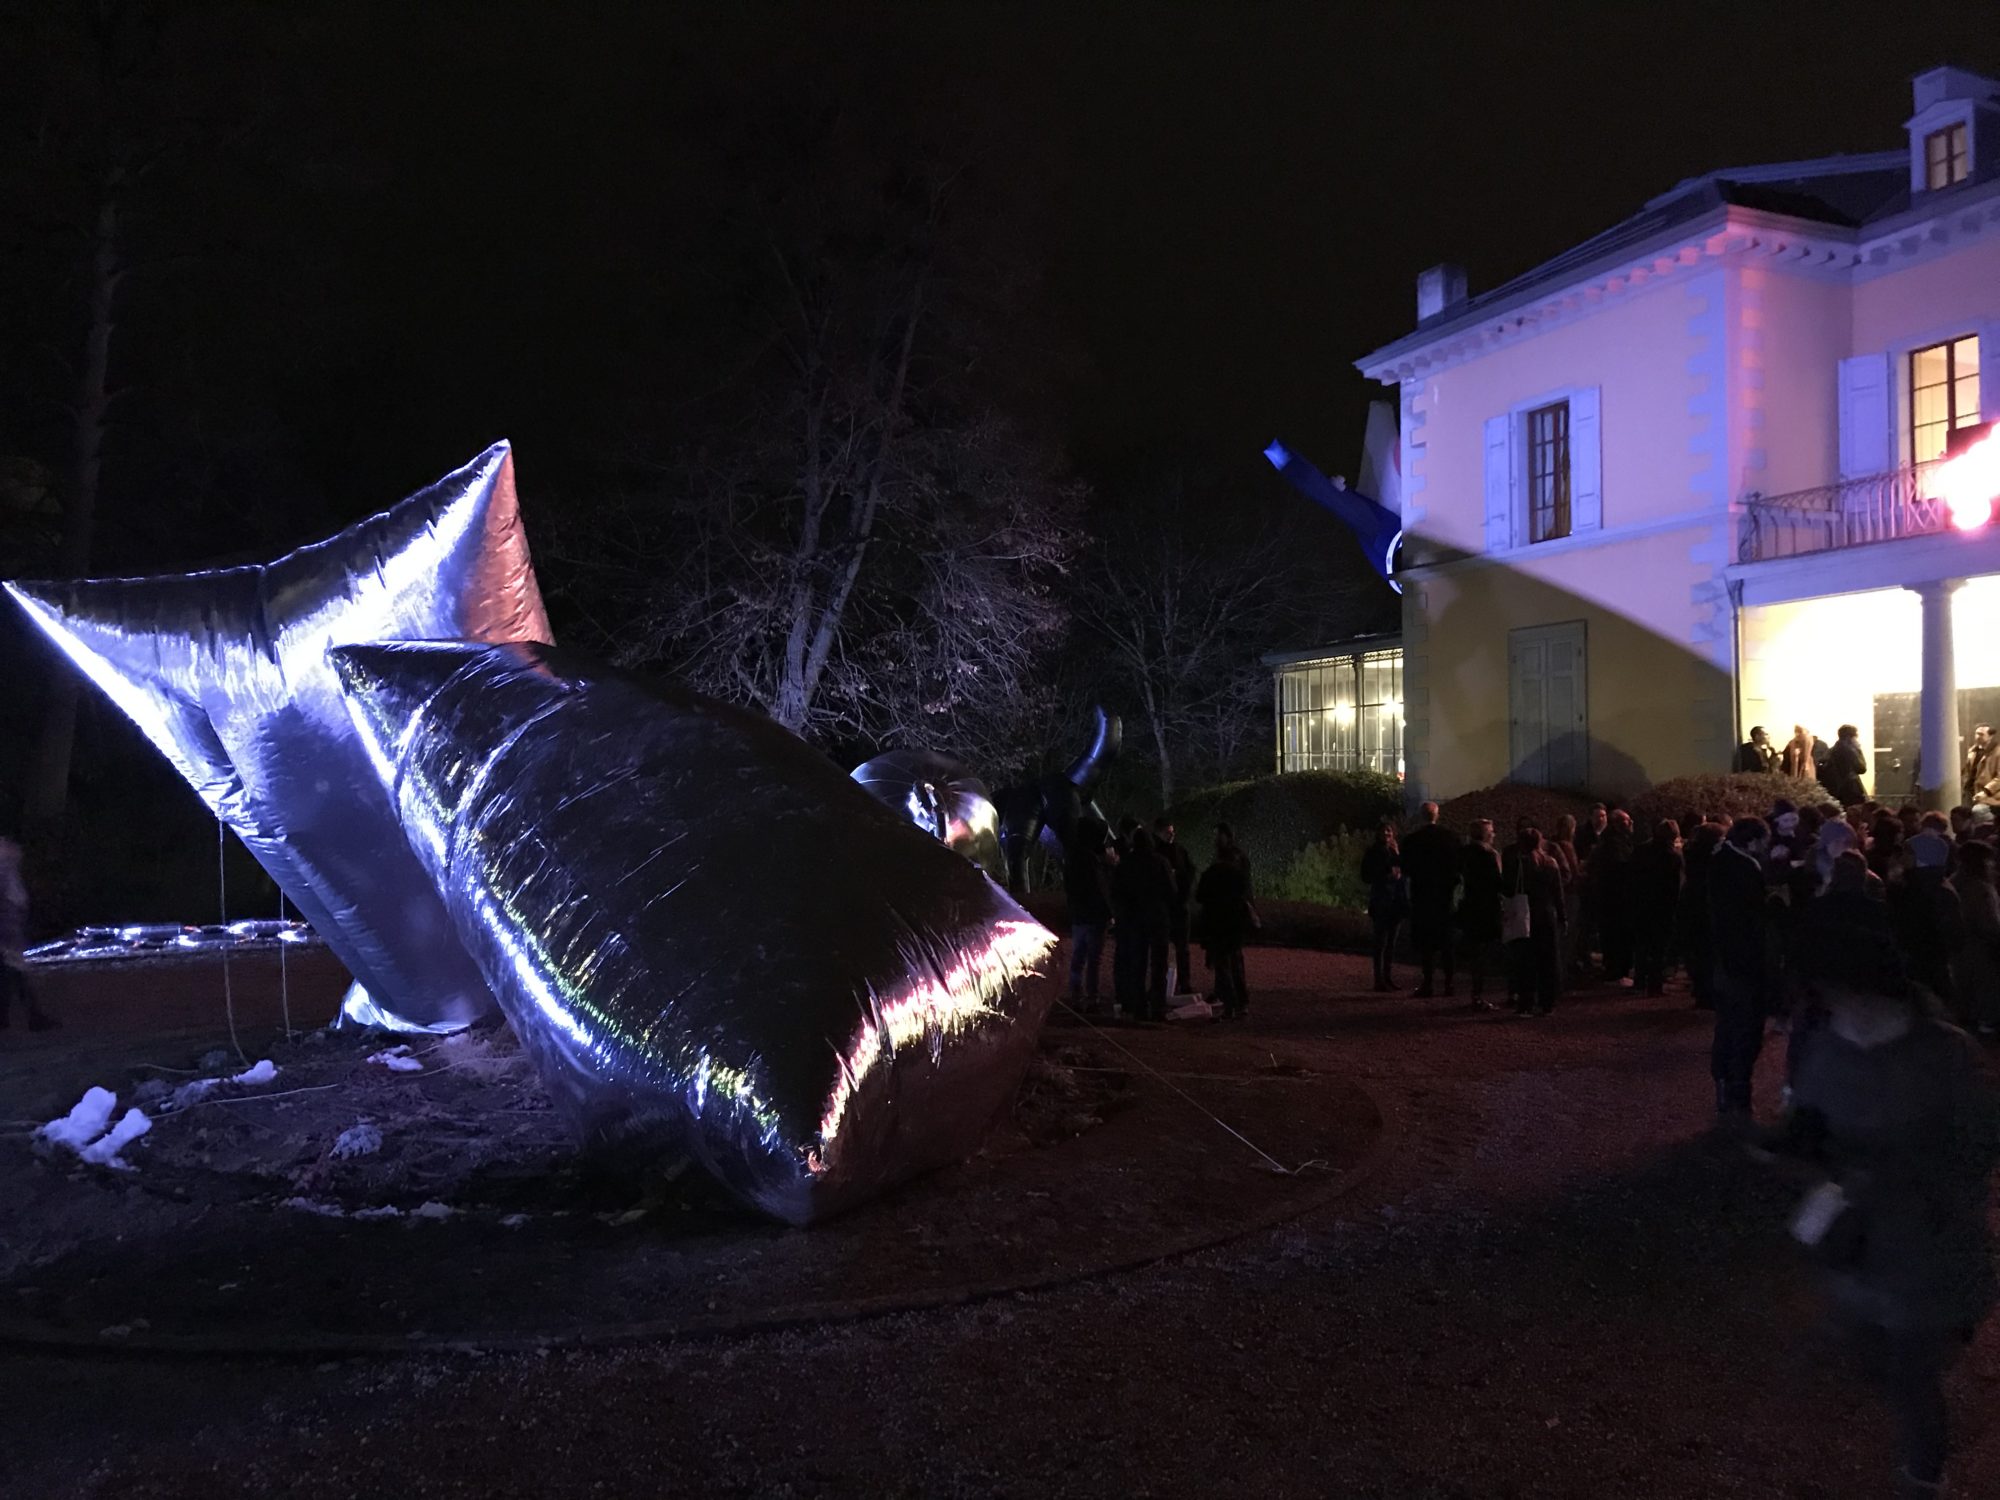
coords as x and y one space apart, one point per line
1682 479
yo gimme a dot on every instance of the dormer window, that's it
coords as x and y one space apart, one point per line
1947 156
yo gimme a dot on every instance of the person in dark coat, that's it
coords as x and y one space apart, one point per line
1388 901
1534 961
1182 864
1925 912
1892 1110
1976 975
1142 896
1228 917
1691 927
1608 881
1431 861
1757 753
1087 871
1655 891
1845 766
1479 909
14 983
1739 927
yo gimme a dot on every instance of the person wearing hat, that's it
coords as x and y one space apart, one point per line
1891 1112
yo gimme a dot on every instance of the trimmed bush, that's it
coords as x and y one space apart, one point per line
1507 802
1328 872
1277 816
1744 794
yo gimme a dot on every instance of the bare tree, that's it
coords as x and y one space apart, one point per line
1182 622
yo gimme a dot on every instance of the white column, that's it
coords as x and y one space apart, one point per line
1937 783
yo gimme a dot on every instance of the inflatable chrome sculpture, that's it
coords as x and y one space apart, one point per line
226 673
941 796
703 932
1049 806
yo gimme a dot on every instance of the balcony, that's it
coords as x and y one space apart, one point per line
1852 513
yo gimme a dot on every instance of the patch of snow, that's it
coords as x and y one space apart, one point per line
84 1123
192 1093
397 1060
385 1211
433 1210
513 1221
259 1072
357 1140
103 1152
314 1206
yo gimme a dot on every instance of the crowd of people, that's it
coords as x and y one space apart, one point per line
1142 884
1861 936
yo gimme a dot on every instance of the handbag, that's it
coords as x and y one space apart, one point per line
1516 918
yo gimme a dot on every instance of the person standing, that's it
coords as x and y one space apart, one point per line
1893 1107
1610 898
1757 753
1739 925
1976 975
1979 781
1924 910
1227 919
1797 760
1181 863
1592 830
1655 894
1561 847
1692 933
1142 891
1479 909
1432 859
1087 871
14 982
1388 901
1845 766
1534 955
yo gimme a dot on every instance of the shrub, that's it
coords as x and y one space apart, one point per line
1327 872
1277 816
1744 794
1508 802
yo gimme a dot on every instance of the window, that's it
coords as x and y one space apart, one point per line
1947 156
1548 472
1342 713
1944 394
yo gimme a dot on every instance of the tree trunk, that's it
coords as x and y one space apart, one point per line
47 793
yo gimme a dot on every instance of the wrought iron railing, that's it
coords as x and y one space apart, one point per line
1852 513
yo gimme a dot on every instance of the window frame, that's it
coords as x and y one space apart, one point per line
1954 416
1560 510
1953 164
1313 733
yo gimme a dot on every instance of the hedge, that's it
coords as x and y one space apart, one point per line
1508 802
1275 817
1743 794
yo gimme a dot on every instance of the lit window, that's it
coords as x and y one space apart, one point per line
1342 713
1548 472
1947 156
1944 394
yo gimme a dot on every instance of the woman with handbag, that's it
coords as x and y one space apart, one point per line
1388 900
1531 925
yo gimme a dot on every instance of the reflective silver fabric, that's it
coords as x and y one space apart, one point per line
226 672
703 932
941 796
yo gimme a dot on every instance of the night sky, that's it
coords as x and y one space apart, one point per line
428 226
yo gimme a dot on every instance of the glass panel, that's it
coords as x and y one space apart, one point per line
1927 366
1965 400
1965 356
1927 404
1927 443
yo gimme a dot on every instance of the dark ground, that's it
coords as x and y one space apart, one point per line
1553 1285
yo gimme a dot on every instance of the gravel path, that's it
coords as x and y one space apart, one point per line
1557 1285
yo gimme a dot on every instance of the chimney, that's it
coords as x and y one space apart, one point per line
1439 290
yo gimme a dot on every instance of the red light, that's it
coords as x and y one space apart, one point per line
1969 483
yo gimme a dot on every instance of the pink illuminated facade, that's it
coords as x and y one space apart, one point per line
1687 477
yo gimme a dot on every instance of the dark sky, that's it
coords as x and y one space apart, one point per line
461 220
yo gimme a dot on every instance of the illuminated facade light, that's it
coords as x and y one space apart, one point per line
1969 483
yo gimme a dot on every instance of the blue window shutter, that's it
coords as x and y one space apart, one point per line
1499 484
1867 441
1586 461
